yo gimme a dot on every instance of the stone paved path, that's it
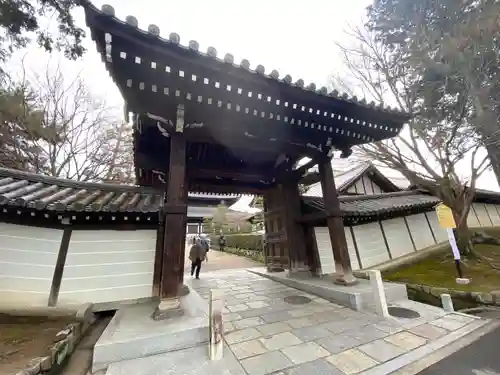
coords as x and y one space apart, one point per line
270 336
220 261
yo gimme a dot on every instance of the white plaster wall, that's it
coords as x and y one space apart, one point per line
420 231
359 187
371 245
398 237
377 189
27 260
439 233
365 185
352 249
493 212
472 220
482 214
368 185
325 251
108 266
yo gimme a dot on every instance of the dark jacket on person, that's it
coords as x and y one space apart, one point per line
197 251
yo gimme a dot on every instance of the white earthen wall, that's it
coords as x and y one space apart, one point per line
423 228
108 266
371 244
482 215
27 260
398 237
472 220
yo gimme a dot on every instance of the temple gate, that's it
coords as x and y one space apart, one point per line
212 125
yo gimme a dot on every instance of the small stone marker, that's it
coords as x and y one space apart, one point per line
378 293
216 344
447 303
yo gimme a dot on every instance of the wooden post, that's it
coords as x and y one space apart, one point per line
335 225
295 236
157 272
60 263
216 344
175 219
312 250
174 241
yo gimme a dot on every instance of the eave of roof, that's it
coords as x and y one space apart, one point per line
153 32
24 189
370 205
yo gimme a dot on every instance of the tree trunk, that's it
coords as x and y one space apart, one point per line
462 233
494 154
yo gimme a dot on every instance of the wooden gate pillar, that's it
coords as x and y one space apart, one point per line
335 225
294 231
172 274
285 237
276 255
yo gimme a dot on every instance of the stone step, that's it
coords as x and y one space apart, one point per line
132 333
358 297
191 361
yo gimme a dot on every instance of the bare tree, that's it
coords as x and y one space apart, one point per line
20 124
121 163
75 136
443 157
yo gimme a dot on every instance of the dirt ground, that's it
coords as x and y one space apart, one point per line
23 338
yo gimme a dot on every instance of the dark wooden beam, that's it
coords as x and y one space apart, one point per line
158 266
59 268
299 172
295 235
235 138
237 174
310 178
317 216
335 223
175 221
226 188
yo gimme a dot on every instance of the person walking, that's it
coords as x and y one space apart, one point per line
222 242
197 254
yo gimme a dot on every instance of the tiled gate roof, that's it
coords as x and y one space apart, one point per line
28 190
366 206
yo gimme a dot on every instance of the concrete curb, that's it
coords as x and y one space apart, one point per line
417 360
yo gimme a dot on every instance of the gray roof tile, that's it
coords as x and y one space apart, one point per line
34 191
367 205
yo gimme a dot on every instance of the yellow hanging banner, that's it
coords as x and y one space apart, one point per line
445 216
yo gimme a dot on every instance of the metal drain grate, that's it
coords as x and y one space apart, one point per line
297 300
401 312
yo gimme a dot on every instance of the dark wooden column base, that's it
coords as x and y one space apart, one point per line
168 308
346 279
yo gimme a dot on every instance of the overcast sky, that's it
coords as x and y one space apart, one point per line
293 37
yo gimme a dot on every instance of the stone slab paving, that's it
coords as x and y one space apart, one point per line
267 335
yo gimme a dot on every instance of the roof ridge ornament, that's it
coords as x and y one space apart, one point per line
132 21
154 30
194 45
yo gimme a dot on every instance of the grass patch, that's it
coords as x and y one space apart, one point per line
439 271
